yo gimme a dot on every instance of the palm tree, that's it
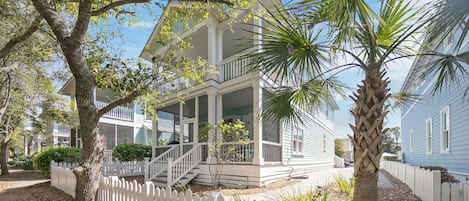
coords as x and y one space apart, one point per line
300 42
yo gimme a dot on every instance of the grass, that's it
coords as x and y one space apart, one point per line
344 185
318 195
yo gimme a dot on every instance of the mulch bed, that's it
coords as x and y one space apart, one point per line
29 186
396 191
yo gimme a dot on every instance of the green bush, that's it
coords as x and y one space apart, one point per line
131 152
42 159
24 162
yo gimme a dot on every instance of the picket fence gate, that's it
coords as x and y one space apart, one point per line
426 184
114 189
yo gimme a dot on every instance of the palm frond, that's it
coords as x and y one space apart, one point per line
289 103
450 15
290 49
448 69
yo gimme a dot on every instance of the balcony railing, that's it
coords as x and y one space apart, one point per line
118 112
230 68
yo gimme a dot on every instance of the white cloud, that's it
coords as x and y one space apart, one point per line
141 24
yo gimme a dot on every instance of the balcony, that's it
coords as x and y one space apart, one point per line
119 112
230 68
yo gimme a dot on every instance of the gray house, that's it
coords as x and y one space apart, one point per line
275 150
435 129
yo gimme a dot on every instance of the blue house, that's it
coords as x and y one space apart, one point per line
435 129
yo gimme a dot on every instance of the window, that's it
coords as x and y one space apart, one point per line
324 142
298 142
429 134
411 141
445 130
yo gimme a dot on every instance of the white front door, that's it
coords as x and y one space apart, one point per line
188 136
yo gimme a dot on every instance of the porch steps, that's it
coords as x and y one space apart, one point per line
184 168
162 179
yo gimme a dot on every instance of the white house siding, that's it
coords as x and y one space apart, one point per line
239 176
314 153
415 115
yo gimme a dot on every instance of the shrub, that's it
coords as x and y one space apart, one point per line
24 162
344 186
58 154
131 152
445 176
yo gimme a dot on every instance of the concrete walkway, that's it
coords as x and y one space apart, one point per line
319 178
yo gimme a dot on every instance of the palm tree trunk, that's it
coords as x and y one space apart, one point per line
369 114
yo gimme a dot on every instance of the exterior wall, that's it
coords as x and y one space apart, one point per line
414 117
240 176
314 152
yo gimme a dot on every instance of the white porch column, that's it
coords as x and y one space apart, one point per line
257 29
181 127
212 43
257 123
211 118
219 107
196 122
154 137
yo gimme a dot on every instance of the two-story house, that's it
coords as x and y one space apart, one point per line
123 124
435 128
275 150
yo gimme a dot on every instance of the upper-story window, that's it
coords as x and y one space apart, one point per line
298 140
429 135
445 130
411 140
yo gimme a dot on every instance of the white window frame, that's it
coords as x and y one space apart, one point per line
411 140
301 142
429 135
443 124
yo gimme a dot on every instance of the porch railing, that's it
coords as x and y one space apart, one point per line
234 66
236 152
161 149
178 168
272 151
107 155
118 112
160 163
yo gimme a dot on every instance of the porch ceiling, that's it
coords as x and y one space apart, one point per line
237 99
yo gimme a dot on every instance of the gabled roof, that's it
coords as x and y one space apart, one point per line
151 46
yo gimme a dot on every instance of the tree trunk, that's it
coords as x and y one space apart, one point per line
89 173
369 114
4 157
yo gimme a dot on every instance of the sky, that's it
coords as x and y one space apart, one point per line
136 35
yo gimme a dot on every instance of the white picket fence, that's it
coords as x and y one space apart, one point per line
427 184
114 189
124 169
62 177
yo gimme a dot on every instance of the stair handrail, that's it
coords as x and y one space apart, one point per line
178 168
157 165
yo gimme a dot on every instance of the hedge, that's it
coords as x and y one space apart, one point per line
131 152
42 159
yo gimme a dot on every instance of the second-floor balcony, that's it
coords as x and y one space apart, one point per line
119 112
230 68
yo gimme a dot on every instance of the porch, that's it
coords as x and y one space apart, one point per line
210 107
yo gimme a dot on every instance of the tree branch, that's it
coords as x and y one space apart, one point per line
55 21
129 98
114 5
15 40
